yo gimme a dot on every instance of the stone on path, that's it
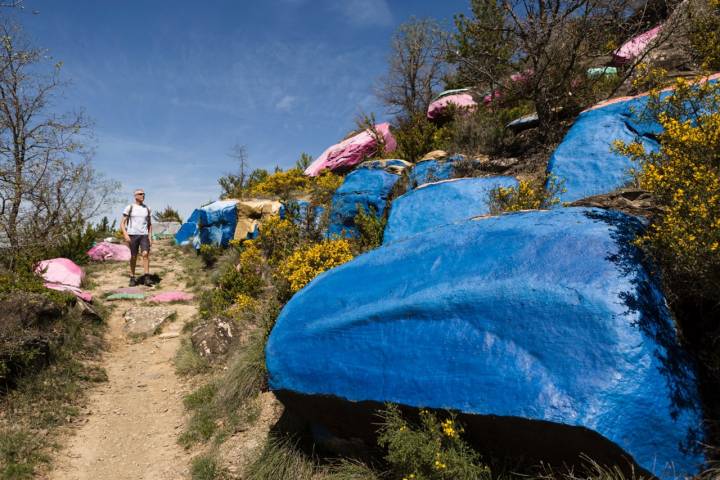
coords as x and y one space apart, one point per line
146 320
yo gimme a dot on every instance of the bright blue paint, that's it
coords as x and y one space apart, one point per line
364 187
213 224
433 171
439 204
543 315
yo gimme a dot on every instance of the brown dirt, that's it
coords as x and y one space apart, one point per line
133 421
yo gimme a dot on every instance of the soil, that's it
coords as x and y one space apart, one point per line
133 421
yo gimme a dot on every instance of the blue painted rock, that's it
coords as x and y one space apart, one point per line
442 203
365 188
542 325
212 224
585 161
433 170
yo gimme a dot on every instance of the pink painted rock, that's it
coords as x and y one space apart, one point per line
166 297
352 151
109 251
78 292
60 270
631 49
461 100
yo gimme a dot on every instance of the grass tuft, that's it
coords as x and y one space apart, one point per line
280 458
206 467
188 361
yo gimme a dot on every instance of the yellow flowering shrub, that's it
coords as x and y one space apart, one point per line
324 186
278 238
306 263
684 177
527 195
705 32
281 184
429 450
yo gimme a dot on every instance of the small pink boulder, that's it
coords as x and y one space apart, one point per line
631 49
166 297
462 100
62 271
352 151
109 251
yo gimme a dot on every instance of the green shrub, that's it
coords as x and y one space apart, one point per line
430 450
206 467
371 228
280 458
188 361
306 263
415 137
209 254
483 131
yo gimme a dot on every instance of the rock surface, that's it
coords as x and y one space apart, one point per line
365 188
144 321
436 204
433 170
213 339
543 317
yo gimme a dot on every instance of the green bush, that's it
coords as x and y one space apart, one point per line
415 137
209 254
430 450
371 228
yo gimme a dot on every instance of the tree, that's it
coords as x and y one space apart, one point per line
48 186
539 50
234 184
416 68
304 161
168 214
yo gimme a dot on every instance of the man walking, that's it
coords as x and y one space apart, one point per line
136 227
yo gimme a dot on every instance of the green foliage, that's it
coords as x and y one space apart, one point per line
528 195
415 137
278 239
371 227
20 453
168 214
431 450
704 30
483 131
188 361
304 161
209 254
366 122
280 458
206 467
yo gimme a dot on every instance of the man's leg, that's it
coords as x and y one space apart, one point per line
134 244
133 262
146 261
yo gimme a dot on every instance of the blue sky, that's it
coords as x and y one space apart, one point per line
171 85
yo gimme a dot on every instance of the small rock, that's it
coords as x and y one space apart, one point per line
146 320
168 335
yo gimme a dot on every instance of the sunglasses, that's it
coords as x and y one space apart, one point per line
140 194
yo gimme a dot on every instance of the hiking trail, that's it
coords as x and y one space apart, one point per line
133 421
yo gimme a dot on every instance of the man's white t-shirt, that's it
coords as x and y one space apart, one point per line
137 222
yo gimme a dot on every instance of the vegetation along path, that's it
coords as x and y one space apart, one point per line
133 420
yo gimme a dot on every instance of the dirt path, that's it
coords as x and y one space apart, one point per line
133 421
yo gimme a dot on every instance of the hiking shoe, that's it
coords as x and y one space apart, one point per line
133 282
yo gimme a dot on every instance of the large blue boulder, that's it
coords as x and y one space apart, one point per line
543 317
441 203
366 188
212 224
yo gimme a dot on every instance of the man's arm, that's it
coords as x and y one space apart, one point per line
123 228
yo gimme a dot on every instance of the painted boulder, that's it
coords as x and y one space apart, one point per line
365 189
634 47
542 328
212 224
433 170
106 251
460 98
61 271
351 151
436 204
585 162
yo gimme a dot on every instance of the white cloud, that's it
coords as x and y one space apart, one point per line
285 103
365 13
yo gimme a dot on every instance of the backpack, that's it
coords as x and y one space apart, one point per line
129 215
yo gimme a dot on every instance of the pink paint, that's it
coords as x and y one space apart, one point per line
109 251
79 293
460 100
166 297
631 49
352 151
61 270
